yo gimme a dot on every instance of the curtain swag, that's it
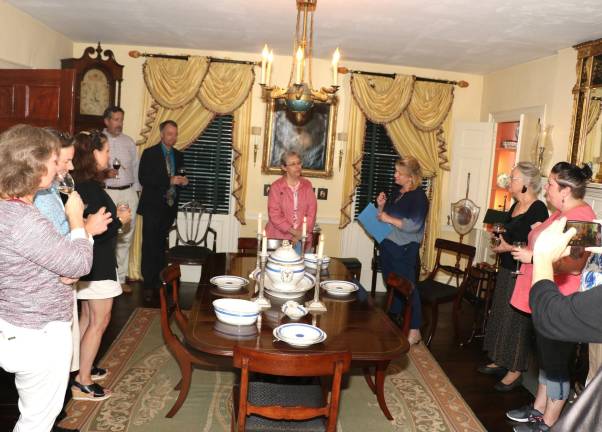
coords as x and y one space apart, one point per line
192 93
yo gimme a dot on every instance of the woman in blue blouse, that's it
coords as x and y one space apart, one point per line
405 210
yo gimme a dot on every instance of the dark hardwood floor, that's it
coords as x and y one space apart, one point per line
459 363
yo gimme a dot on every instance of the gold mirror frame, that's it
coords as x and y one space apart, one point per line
586 108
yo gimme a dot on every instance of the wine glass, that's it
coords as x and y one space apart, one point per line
518 245
66 183
116 166
122 205
498 229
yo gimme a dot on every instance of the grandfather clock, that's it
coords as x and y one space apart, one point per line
97 86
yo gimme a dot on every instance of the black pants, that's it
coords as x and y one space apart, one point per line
155 227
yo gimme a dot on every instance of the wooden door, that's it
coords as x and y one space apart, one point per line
42 97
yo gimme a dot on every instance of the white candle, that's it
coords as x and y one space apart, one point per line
259 227
264 59
299 75
269 68
320 247
335 67
264 245
304 229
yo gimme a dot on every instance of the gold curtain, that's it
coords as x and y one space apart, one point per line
418 130
192 93
593 115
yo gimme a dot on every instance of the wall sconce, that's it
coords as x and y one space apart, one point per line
342 138
255 132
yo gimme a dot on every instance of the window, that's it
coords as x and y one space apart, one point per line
208 163
378 167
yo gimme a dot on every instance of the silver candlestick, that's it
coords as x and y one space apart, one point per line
259 238
316 305
261 301
303 240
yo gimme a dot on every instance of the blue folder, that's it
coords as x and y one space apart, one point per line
376 229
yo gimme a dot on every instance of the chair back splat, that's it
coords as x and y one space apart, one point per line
434 292
286 402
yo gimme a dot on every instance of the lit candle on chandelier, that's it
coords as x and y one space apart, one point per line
335 67
300 60
259 224
264 60
269 68
304 229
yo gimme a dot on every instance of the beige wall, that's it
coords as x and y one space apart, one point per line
28 44
466 107
547 81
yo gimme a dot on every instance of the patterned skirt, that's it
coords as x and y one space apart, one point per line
509 336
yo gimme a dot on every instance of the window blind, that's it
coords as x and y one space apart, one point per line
208 163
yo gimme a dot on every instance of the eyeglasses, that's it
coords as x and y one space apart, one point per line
295 164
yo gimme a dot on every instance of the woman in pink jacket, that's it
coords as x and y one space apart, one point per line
291 198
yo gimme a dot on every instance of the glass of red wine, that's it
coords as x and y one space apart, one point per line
116 166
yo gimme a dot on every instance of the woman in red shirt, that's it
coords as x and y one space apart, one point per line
565 190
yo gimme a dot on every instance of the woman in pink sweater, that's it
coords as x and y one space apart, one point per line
291 198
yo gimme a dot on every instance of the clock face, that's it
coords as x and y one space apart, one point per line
94 93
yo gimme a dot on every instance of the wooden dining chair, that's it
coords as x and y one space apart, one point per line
193 230
434 292
402 286
261 405
186 359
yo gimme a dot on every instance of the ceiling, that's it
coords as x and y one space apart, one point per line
475 36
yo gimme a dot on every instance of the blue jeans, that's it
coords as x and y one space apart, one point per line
402 260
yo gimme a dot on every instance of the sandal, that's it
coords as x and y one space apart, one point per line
93 392
98 373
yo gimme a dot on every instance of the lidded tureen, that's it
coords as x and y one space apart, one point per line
285 268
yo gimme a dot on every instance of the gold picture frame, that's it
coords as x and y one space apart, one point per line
314 140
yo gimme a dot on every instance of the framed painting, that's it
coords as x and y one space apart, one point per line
313 139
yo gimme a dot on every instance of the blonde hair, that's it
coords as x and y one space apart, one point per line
412 167
24 152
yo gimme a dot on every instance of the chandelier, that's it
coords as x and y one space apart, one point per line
299 95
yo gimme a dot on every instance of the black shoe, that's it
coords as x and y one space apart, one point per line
487 370
98 374
501 387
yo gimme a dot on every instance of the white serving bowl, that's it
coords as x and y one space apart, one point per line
236 311
311 261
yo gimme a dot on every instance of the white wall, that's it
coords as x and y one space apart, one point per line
545 82
26 43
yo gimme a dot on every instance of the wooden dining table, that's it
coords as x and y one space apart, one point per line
351 323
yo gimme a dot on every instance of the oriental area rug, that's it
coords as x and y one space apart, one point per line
143 373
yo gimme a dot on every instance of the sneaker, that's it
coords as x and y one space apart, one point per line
524 414
535 426
98 373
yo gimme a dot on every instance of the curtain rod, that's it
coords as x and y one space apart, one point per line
344 70
136 54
